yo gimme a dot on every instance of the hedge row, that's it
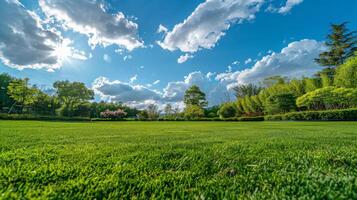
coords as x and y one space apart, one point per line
326 115
332 115
41 118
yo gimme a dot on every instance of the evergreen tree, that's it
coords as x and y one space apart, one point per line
194 96
341 45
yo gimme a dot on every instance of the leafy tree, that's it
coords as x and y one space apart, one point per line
280 103
168 110
152 111
23 94
346 74
246 90
194 112
143 115
194 96
311 84
45 104
227 110
342 45
72 94
211 112
5 100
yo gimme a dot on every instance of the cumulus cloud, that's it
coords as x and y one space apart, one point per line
216 92
289 4
26 43
184 58
91 19
295 60
123 92
249 60
208 23
134 78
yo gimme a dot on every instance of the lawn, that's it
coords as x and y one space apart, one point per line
184 160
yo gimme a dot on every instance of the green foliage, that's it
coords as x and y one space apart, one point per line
328 98
194 96
22 93
342 45
212 112
227 110
73 96
242 91
193 112
346 74
311 84
5 100
152 112
178 160
334 115
280 103
45 105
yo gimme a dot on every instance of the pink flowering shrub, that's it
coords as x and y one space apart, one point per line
118 114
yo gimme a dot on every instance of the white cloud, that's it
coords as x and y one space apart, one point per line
216 92
123 92
107 58
249 60
162 29
289 4
134 78
156 82
184 58
91 19
208 23
26 43
295 60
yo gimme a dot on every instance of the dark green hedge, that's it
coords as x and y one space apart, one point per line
331 115
41 118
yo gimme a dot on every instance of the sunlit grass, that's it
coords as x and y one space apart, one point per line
187 160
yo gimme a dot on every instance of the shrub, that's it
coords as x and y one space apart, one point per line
333 115
328 98
227 110
118 114
193 112
280 103
41 118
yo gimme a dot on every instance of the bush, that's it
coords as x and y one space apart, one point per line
227 110
332 115
41 118
193 112
328 98
118 114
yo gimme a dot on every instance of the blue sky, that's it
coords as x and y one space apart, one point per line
123 57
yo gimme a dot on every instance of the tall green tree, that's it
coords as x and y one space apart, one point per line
246 90
341 45
71 95
5 100
194 96
346 74
23 94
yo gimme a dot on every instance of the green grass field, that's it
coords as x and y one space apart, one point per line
178 160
